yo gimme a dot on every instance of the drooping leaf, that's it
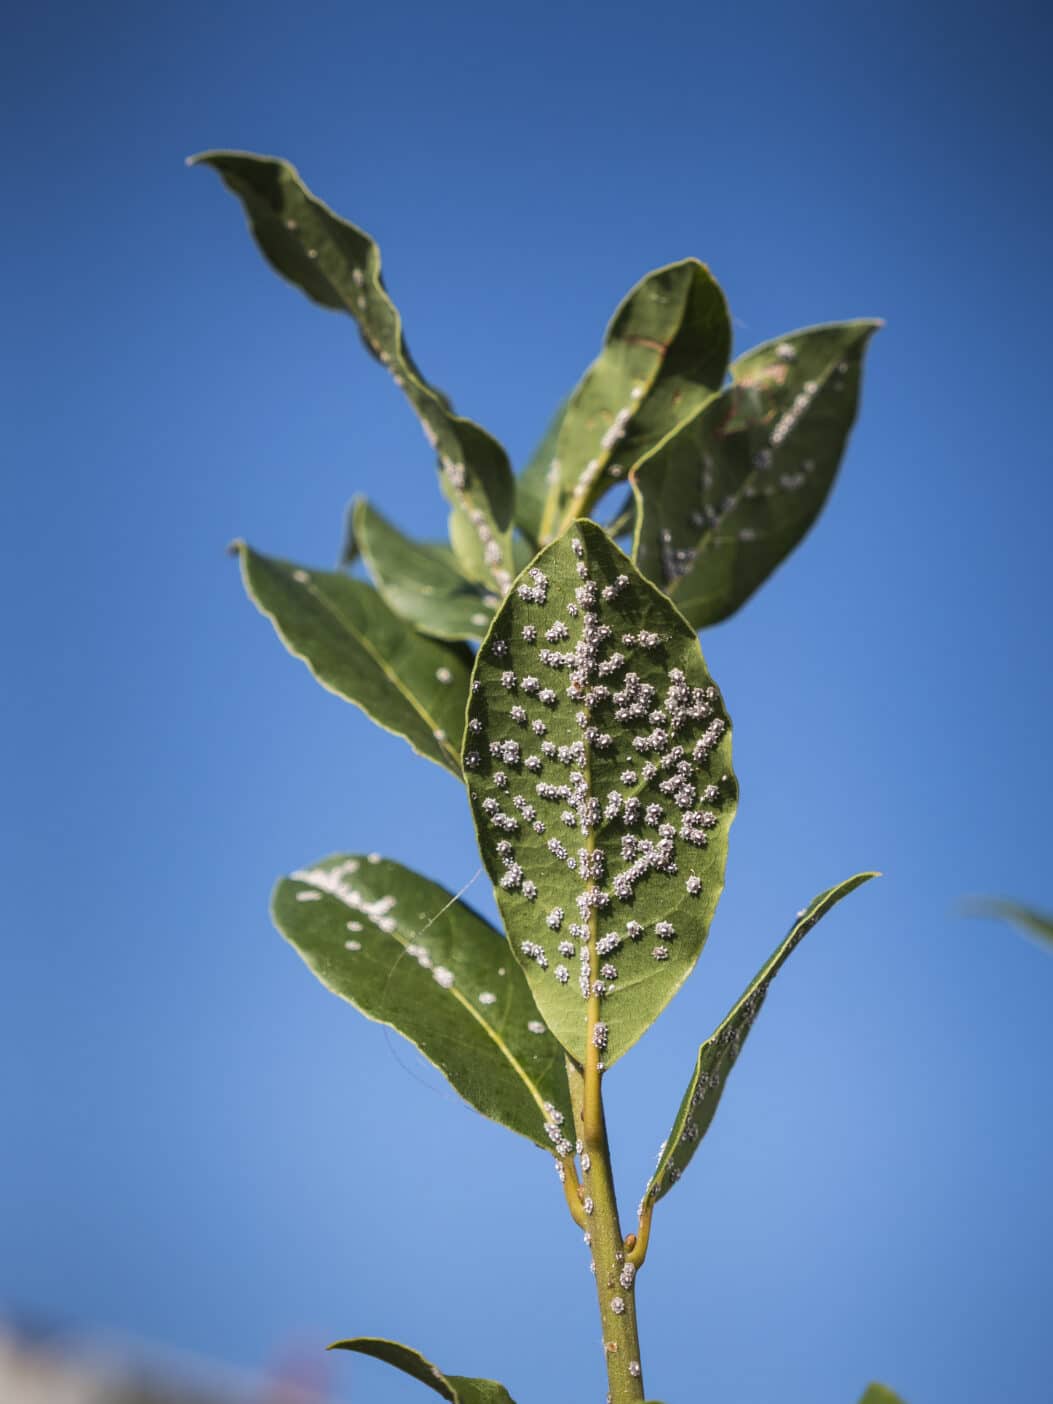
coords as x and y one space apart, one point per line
338 266
717 1055
420 581
356 647
880 1394
598 761
407 953
1033 923
665 353
723 500
458 1389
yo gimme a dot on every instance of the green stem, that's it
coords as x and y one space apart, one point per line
615 1276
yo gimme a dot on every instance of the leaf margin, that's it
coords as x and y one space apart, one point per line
456 1389
732 1032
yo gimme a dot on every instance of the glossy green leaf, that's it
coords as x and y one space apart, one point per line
458 1389
356 647
717 1055
407 953
420 581
665 353
724 499
338 266
880 1394
598 761
1033 923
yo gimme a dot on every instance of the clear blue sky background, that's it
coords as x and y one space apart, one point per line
204 1148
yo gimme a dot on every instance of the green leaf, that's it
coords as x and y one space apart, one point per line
727 496
407 953
717 1055
586 744
338 266
880 1394
458 1389
1026 919
532 485
356 647
665 353
420 581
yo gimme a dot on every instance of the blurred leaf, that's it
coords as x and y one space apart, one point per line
880 1394
623 523
1026 919
420 581
665 353
338 266
598 761
458 1389
730 494
533 483
407 953
717 1055
356 647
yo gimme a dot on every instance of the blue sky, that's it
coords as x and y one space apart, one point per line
207 1150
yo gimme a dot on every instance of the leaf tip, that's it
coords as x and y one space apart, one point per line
349 549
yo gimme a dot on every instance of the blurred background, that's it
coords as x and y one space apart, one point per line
205 1152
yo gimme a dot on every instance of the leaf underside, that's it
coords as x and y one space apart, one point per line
664 354
718 1054
355 646
458 1389
420 581
723 500
598 761
337 265
406 953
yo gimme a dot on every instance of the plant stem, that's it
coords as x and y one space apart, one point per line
615 1284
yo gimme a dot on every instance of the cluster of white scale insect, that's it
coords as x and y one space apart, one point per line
536 794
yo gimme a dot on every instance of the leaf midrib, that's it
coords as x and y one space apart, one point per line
577 508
